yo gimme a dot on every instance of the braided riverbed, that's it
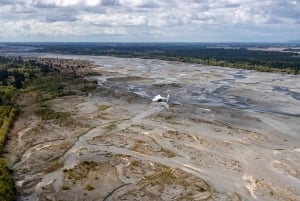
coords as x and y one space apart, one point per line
226 134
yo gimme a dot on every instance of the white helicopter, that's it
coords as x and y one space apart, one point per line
159 98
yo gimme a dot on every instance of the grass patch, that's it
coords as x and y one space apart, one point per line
160 179
104 107
8 95
168 177
89 165
49 114
70 173
164 177
80 172
7 186
6 122
111 126
54 167
50 87
53 87
65 187
89 187
4 112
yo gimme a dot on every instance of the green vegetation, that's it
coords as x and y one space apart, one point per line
15 74
104 107
18 73
43 76
49 87
160 179
89 187
164 177
80 172
7 188
4 111
49 114
89 165
54 166
7 95
43 79
234 55
168 177
69 172
111 126
6 122
65 187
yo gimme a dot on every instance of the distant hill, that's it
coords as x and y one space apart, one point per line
294 41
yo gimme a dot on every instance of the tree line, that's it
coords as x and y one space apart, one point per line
235 57
15 74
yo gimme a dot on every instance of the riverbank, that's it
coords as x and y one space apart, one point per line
32 81
7 185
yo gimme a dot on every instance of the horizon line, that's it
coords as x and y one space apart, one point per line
146 42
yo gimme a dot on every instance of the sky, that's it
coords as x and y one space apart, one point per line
149 20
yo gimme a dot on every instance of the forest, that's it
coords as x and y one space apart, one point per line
44 79
15 75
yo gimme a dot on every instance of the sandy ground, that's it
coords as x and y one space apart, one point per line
217 139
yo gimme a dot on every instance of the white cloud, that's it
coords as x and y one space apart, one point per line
79 17
58 3
35 27
141 3
112 19
172 12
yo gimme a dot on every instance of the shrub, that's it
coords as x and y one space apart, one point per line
7 190
89 187
5 127
104 107
111 126
49 114
65 187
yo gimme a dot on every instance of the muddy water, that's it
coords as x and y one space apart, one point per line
236 129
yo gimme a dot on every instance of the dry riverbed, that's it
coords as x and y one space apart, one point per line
118 145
